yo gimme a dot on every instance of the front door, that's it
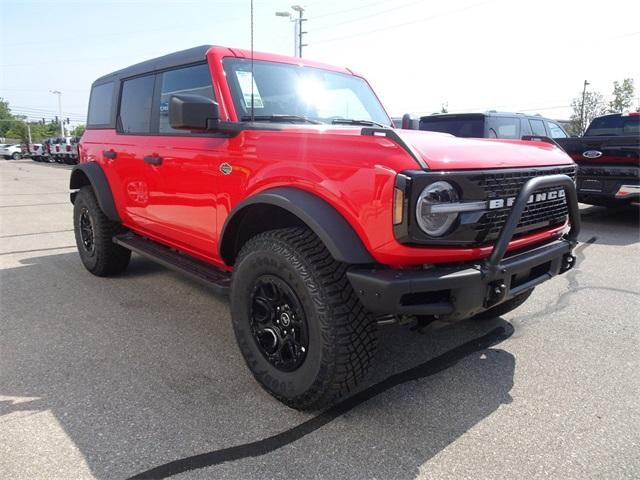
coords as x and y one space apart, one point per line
182 170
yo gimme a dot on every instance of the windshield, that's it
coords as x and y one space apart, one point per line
614 125
283 91
455 125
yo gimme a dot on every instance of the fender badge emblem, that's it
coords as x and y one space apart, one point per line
225 168
592 154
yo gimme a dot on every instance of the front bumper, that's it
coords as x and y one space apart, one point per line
465 290
602 184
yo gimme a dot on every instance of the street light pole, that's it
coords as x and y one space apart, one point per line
59 94
297 31
584 92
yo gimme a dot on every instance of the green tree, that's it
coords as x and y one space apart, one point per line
18 131
622 96
594 106
78 131
5 117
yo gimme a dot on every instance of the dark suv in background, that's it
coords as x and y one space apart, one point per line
487 125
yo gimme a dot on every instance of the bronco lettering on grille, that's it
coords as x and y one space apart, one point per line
535 198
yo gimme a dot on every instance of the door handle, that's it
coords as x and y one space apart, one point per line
109 154
153 159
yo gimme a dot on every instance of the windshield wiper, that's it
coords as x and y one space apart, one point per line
280 118
353 121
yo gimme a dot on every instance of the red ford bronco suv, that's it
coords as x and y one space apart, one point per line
281 182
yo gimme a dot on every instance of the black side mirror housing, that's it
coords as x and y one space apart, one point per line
198 114
192 112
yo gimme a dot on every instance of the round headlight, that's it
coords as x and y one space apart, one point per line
434 223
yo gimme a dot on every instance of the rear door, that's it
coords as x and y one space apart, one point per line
133 127
465 125
182 169
555 130
537 127
503 127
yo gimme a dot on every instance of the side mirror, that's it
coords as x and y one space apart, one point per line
193 112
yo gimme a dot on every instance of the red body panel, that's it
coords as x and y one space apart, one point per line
185 201
442 151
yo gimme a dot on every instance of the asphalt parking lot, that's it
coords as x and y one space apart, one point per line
112 378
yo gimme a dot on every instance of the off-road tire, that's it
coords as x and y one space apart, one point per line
505 307
342 334
107 258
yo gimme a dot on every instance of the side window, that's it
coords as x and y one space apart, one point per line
537 127
525 128
100 105
194 80
555 130
504 127
135 104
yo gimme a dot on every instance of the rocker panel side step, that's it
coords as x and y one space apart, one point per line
217 279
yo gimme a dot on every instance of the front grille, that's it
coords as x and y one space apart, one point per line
544 214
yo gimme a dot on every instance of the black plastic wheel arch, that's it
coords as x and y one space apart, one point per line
341 240
98 180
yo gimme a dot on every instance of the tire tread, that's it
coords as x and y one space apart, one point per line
347 329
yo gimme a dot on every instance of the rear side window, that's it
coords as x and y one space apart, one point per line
100 105
194 80
555 130
614 125
459 126
504 127
537 127
135 105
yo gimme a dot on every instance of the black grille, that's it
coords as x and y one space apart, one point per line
536 216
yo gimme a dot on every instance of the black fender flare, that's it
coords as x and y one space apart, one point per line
98 180
326 222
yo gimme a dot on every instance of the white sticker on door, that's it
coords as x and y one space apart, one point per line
245 79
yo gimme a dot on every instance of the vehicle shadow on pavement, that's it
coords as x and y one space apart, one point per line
142 372
612 226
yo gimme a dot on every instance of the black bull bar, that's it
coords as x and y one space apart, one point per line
463 291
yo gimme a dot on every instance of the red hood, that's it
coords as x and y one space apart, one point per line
441 151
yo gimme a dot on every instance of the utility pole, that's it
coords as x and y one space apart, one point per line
297 31
29 132
300 19
584 92
59 94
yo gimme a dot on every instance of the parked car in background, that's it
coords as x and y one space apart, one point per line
488 125
46 151
11 151
608 158
72 149
35 151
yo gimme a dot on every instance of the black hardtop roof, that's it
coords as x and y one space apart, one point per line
490 113
610 115
191 55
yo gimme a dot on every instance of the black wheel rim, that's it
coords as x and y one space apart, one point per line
86 231
278 323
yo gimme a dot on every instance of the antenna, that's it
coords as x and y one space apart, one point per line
252 80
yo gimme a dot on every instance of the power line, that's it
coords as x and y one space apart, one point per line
129 33
352 9
412 22
45 110
364 17
40 116
40 90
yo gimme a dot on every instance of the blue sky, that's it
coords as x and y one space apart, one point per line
472 54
